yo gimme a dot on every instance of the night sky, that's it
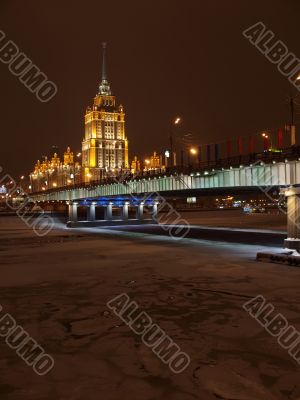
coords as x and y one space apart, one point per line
165 58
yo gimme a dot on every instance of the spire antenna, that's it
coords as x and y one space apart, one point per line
104 88
104 61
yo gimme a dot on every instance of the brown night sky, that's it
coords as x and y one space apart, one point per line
165 58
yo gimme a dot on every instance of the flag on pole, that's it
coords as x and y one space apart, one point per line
240 146
199 154
228 148
279 138
266 143
208 152
216 151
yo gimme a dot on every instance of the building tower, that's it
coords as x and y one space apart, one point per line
105 146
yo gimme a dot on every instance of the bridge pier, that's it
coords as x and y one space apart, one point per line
91 212
125 212
73 211
293 218
140 211
123 217
154 211
108 211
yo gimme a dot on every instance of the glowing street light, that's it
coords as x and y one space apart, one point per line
193 151
147 161
173 122
78 155
54 184
265 137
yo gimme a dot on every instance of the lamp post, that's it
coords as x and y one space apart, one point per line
266 138
173 122
78 155
192 151
167 155
186 142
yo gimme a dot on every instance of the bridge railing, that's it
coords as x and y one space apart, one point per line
268 157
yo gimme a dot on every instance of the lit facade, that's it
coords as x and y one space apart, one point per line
54 173
154 163
135 165
105 146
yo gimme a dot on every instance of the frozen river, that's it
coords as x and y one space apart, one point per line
57 287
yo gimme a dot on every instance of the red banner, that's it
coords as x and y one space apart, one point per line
266 143
240 146
279 138
228 147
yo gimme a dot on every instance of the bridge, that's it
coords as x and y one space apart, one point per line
151 192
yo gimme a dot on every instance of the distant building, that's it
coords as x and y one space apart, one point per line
55 173
105 146
135 165
154 163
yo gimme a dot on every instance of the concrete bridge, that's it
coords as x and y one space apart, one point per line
141 192
258 175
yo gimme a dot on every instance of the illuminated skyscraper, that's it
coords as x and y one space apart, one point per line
105 146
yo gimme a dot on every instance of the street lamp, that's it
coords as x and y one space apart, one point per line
265 137
176 121
193 151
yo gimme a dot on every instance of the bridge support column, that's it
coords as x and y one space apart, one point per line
125 212
293 218
108 212
73 212
140 211
92 212
154 212
70 211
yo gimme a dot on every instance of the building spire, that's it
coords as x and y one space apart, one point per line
104 88
103 61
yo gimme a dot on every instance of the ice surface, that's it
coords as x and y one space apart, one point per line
57 287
